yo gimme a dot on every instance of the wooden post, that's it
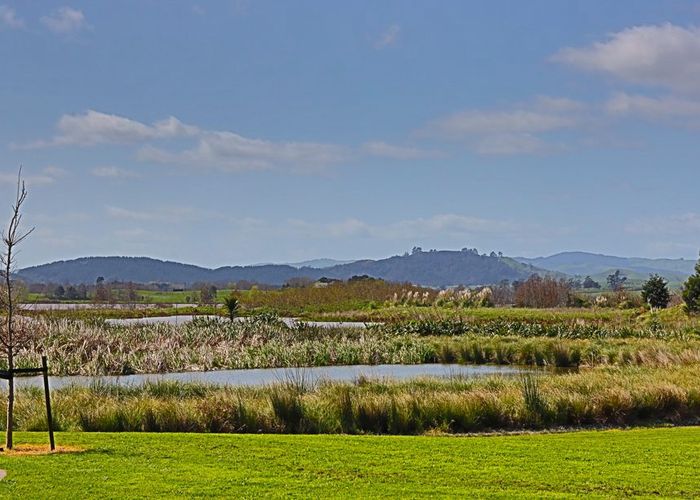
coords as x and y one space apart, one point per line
45 371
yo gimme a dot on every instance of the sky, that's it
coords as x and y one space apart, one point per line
240 132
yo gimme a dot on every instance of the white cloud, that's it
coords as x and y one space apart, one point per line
384 150
47 175
164 214
388 38
623 104
509 131
511 144
94 127
660 55
231 152
472 122
450 225
54 172
134 233
11 178
669 234
687 224
65 20
9 19
65 218
223 150
113 172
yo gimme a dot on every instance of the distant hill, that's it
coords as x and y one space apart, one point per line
138 269
598 265
438 268
320 263
434 268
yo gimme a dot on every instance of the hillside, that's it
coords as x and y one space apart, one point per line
434 268
438 268
598 265
138 269
320 263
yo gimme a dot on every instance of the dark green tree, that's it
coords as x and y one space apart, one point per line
616 281
691 291
655 292
590 283
232 306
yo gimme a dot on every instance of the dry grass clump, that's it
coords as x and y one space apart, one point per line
39 449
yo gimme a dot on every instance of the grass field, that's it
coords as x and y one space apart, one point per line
612 464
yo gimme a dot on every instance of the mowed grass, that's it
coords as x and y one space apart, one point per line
641 462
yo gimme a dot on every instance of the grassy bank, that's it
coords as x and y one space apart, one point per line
595 397
648 462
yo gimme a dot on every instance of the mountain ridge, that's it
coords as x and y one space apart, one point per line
429 268
578 263
433 268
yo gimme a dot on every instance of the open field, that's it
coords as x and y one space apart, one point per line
610 464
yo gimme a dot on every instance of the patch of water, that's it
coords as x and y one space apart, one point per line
266 376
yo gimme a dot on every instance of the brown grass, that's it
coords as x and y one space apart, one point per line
39 449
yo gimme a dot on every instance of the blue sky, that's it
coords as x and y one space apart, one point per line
239 132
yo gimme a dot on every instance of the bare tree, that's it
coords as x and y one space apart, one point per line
12 332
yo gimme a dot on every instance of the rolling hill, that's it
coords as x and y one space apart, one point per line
434 268
599 266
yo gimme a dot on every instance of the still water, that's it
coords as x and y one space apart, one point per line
266 376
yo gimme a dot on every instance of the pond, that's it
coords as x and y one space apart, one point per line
266 376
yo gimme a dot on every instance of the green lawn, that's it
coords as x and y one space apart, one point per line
645 462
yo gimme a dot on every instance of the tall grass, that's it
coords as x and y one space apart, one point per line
565 353
577 329
597 397
78 348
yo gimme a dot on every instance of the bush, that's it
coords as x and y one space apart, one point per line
542 292
655 292
691 291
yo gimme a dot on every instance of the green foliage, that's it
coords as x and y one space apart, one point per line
355 295
616 281
655 292
232 306
691 291
589 282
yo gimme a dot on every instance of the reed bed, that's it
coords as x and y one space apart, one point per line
603 396
79 348
564 352
571 329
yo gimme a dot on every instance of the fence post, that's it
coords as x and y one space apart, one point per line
45 371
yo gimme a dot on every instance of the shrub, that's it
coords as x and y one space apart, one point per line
232 306
691 291
542 292
655 292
